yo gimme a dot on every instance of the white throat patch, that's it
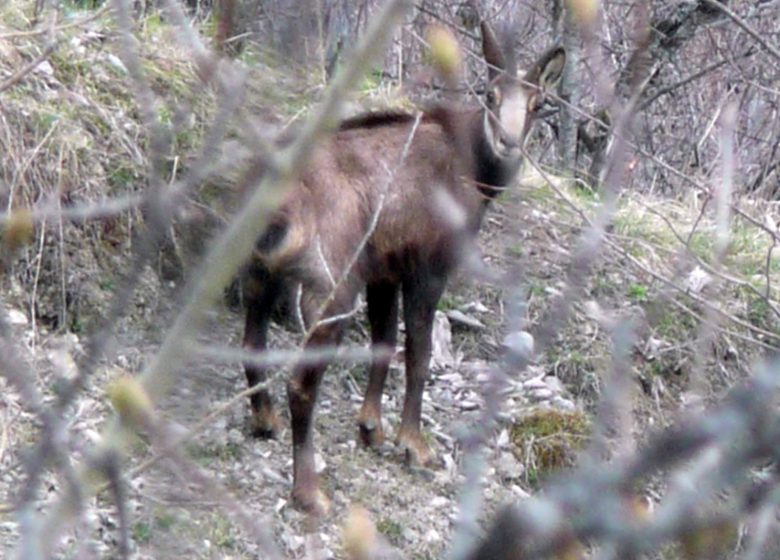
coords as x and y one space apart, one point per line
513 114
511 117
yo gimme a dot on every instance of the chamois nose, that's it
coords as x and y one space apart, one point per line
507 143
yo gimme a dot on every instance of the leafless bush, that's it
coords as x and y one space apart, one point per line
710 473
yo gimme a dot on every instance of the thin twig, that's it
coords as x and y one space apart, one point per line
106 208
35 32
227 254
745 26
29 67
722 190
358 252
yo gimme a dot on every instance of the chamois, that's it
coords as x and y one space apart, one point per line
381 177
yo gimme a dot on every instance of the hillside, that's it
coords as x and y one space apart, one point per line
85 291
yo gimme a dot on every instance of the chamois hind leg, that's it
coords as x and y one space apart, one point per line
261 290
421 294
382 301
302 389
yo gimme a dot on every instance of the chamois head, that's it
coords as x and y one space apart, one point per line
512 101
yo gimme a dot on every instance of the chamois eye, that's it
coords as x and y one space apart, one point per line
493 96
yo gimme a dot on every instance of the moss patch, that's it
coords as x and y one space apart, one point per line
547 440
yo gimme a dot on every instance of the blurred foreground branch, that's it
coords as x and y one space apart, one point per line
228 253
596 502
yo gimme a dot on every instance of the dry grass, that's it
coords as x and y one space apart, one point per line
70 137
547 440
660 271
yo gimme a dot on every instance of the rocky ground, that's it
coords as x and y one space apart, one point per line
414 511
645 273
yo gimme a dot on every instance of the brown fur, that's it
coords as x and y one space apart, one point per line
360 171
340 190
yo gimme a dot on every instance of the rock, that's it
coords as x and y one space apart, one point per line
519 492
508 468
319 463
114 61
9 527
477 306
554 383
432 536
534 383
563 404
541 394
450 466
453 378
441 339
697 280
93 436
272 475
440 502
64 363
653 347
466 320
409 534
468 405
18 318
293 542
520 343
44 68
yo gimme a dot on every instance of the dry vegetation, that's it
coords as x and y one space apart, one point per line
666 321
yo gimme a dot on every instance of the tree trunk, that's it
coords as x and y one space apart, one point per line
569 92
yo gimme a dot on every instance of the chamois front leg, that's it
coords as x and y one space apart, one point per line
382 301
302 390
421 294
261 291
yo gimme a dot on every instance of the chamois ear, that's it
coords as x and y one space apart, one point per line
494 56
546 73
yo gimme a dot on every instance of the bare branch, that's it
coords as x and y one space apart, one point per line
721 6
232 249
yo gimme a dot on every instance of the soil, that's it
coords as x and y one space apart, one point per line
60 283
414 510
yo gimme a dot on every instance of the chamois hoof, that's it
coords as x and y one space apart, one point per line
265 426
312 501
416 452
371 434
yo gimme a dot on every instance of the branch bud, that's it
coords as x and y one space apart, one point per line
130 400
585 12
359 534
445 51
